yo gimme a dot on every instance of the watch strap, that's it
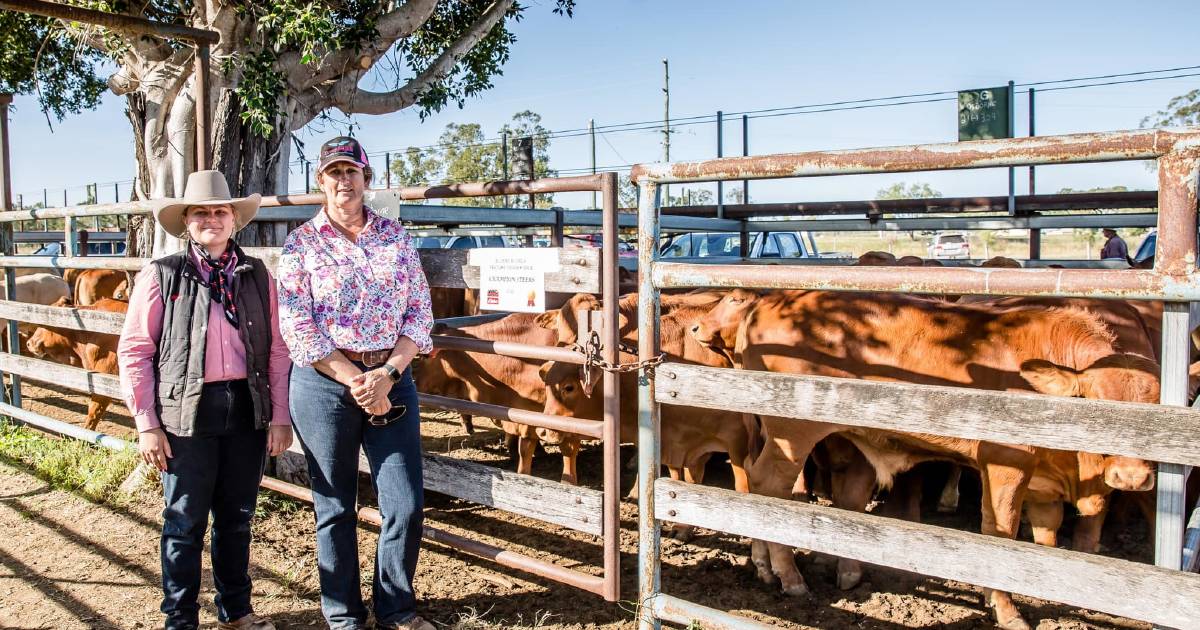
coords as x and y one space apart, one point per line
392 372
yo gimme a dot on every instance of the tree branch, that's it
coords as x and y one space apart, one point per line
392 27
347 96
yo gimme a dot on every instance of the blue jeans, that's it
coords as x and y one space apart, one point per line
216 470
332 428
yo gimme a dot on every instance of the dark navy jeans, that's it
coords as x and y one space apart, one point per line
216 470
331 428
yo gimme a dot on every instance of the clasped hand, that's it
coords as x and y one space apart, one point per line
370 390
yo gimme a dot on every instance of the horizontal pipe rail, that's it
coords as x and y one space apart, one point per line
1037 222
541 568
118 263
686 613
1114 146
508 349
535 566
64 428
579 426
1025 204
1086 283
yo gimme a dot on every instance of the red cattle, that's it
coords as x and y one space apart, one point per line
96 352
1061 351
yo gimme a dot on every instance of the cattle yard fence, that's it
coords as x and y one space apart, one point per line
581 270
1160 594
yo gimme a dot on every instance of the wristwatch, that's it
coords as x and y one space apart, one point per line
392 372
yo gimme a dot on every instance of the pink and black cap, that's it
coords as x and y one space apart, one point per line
342 149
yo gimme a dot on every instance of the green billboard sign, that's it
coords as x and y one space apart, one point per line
983 114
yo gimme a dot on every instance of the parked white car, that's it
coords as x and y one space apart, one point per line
950 245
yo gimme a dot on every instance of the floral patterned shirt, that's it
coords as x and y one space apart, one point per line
360 296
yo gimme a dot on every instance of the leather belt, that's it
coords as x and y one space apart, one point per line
370 358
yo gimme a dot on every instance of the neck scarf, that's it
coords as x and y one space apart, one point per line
220 274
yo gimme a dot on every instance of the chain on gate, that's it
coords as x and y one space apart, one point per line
591 351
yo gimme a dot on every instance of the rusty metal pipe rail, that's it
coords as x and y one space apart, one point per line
1147 144
503 557
1025 204
1129 284
508 349
589 428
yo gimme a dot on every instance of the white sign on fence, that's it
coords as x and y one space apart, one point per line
513 279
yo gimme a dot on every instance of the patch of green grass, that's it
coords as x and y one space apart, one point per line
272 503
66 463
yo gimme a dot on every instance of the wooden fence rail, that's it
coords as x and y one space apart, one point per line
1120 587
1142 430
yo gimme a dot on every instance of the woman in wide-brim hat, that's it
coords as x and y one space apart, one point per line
204 371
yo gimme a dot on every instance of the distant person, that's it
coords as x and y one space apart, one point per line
1114 246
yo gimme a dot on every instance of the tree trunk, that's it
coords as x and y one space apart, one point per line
165 154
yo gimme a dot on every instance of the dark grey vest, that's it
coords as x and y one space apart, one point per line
180 360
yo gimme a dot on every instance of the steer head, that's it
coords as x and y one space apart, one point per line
47 344
719 328
1121 377
567 395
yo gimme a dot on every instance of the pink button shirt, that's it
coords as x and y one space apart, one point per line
224 352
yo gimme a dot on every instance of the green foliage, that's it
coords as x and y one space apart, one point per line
900 190
464 154
1181 111
68 63
92 471
37 56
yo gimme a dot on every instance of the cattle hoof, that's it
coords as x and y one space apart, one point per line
1014 623
947 508
849 579
799 589
682 533
765 575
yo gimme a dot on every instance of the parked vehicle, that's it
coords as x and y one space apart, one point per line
950 245
96 248
460 242
721 244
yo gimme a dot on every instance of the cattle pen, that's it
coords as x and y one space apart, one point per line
1160 594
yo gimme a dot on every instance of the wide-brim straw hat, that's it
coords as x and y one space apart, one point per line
205 188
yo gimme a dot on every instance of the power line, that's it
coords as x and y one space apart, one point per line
844 105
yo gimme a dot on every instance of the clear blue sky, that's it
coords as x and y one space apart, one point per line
606 64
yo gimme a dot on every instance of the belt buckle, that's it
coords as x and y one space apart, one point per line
375 358
393 414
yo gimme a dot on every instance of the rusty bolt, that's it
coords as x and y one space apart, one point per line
671 494
672 375
672 394
671 513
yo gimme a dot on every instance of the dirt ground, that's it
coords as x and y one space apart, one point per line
68 563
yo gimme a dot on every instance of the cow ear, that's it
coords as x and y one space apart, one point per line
544 371
549 320
1048 378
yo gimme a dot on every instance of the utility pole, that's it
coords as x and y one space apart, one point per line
666 123
720 154
592 135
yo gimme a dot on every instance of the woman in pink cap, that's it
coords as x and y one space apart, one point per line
354 308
